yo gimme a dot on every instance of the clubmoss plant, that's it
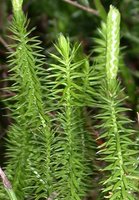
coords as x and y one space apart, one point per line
50 150
71 165
118 150
29 127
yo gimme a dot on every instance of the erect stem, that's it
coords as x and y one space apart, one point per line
117 138
7 185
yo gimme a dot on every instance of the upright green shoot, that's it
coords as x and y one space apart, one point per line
31 125
71 164
118 150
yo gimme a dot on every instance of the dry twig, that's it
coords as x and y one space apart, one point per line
87 9
3 42
5 181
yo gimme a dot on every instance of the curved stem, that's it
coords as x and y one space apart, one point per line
11 194
7 185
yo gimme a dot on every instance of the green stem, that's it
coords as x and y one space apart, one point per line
11 194
117 138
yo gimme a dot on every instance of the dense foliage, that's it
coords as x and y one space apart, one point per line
69 129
